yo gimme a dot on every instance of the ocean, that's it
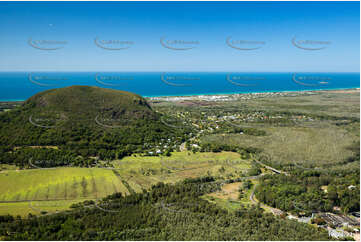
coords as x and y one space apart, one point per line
18 86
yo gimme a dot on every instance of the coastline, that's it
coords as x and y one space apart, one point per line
254 93
199 95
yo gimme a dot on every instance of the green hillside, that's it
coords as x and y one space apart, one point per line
74 125
84 103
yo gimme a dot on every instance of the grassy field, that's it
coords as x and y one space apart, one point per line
301 145
37 190
36 207
144 171
55 184
228 197
51 190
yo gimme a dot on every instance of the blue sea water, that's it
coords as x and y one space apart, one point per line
16 86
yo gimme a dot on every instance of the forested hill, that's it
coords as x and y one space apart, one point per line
79 122
84 103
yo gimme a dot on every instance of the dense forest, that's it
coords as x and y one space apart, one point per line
165 212
314 190
304 193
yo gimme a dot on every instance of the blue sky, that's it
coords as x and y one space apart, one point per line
267 26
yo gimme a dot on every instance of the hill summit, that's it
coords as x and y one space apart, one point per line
86 103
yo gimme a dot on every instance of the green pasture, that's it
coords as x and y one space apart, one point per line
38 190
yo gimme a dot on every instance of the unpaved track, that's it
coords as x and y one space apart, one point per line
275 211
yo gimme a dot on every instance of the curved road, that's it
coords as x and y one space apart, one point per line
275 211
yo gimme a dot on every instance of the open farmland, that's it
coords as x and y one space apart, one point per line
39 190
142 172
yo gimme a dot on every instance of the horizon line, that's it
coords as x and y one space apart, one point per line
183 71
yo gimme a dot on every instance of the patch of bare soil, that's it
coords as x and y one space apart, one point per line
229 191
